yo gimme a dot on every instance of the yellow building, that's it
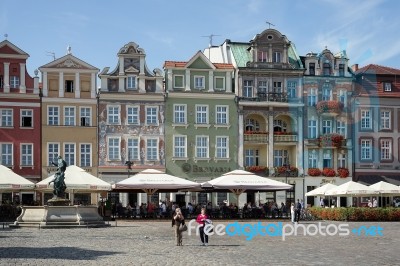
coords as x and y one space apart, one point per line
69 117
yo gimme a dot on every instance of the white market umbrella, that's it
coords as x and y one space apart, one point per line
238 181
386 189
10 181
352 188
76 179
320 191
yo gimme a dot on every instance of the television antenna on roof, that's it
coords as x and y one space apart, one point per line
269 24
211 38
5 36
53 54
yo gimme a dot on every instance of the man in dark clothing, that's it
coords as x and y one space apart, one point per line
298 211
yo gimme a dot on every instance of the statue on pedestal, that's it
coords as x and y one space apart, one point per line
59 176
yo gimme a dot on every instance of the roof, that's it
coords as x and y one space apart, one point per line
183 64
373 69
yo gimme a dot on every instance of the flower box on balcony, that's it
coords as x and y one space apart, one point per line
331 140
343 172
329 107
281 171
259 170
314 172
329 172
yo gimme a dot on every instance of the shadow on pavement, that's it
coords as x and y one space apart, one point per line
62 253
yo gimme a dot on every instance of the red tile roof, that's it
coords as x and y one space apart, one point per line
378 70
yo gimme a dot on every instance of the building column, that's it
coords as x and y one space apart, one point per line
6 77
61 84
270 53
121 66
285 55
210 81
299 89
241 141
141 65
142 83
22 86
93 82
300 150
77 85
121 84
228 82
44 82
187 80
271 141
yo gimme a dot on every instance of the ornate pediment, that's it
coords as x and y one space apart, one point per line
69 61
69 64
131 69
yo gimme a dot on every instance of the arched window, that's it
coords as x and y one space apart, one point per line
280 126
252 125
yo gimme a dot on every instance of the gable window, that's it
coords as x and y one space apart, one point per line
85 115
53 116
327 69
219 83
6 117
178 81
366 119
366 149
180 146
86 155
6 153
151 116
113 115
14 81
277 57
27 154
69 86
221 115
180 114
385 120
132 113
387 86
248 88
312 97
311 69
69 116
131 82
201 114
199 82
252 158
26 118
152 148
262 56
386 149
341 70
53 150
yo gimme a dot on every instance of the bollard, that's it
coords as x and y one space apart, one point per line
115 222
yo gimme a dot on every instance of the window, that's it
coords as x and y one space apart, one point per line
1 82
178 81
277 57
14 81
386 149
132 114
262 56
219 83
114 149
6 154
180 114
366 119
248 88
221 115
278 87
27 154
312 129
113 115
342 97
291 89
69 86
327 159
366 149
312 97
262 86
180 146
201 114
69 116
312 159
280 126
387 86
280 157
52 116
133 149
53 150
86 155
385 120
152 148
252 125
199 82
85 114
221 148
342 160
151 115
326 126
311 69
131 82
341 70
252 157
341 127
6 117
201 146
326 92
69 153
327 69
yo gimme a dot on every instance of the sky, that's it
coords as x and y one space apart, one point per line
174 30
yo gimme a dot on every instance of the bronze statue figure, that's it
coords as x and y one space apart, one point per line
59 176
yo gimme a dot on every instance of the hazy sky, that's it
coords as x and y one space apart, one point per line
173 29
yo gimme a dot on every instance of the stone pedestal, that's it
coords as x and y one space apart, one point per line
59 216
58 202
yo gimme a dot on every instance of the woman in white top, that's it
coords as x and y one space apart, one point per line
292 212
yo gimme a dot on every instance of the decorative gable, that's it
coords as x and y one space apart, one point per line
7 47
69 61
200 61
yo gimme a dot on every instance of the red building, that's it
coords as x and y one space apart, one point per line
19 117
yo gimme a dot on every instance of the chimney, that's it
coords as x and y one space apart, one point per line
354 67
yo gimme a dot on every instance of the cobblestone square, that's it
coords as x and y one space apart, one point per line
152 243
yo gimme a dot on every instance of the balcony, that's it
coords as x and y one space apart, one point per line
286 171
329 108
258 170
267 97
285 137
256 136
332 140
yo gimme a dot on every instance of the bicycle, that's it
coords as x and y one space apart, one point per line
306 215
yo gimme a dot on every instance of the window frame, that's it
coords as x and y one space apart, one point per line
113 115
54 117
152 116
388 149
130 149
202 150
132 116
67 153
312 97
14 82
129 80
29 156
387 86
366 149
69 86
181 148
197 79
116 147
385 120
8 118
204 114
177 116
86 154
152 151
218 120
175 79
70 116
312 129
365 119
85 115
312 159
223 83
58 144
247 90
10 156
221 148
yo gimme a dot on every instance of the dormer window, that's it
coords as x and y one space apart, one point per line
131 82
341 70
387 86
199 82
312 69
327 69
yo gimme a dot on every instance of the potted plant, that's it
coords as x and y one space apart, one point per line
331 140
329 172
314 172
343 172
329 107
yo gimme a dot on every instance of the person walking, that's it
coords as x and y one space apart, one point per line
177 221
201 220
